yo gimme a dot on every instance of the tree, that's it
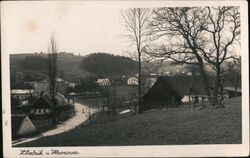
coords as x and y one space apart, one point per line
136 20
197 35
182 33
223 30
233 73
52 73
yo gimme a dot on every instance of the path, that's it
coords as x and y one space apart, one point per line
68 125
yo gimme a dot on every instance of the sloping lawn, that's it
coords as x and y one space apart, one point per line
182 125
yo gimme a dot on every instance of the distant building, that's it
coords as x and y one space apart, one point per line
22 94
72 85
42 86
21 125
132 81
104 82
231 93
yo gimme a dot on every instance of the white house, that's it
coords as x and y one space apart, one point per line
103 82
22 94
22 125
132 81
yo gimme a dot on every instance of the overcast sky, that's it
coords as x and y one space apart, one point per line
77 28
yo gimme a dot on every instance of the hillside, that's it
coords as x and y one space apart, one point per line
72 67
182 125
104 64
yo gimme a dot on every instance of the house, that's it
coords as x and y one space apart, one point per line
162 94
169 91
132 81
21 125
103 82
231 92
44 105
22 94
42 86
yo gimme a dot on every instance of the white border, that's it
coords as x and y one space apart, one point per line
138 151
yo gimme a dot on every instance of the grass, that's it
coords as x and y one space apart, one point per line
182 125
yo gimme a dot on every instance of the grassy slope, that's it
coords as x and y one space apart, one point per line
181 125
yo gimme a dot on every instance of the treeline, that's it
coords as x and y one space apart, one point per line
107 64
38 63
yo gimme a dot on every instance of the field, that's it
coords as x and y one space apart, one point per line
174 126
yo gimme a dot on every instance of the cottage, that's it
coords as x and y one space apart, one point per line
44 105
104 82
21 125
132 81
22 94
162 94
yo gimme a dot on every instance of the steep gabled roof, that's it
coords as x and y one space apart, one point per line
183 84
43 102
167 82
174 86
16 121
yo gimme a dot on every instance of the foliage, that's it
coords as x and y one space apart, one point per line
87 84
107 64
38 63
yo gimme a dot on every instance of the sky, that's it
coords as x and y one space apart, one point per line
77 28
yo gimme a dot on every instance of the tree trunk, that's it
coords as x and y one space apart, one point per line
139 83
205 81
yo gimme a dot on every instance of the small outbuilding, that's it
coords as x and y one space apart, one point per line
231 92
21 125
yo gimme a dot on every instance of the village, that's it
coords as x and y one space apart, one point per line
108 99
128 76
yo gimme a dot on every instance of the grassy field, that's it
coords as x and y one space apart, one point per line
182 125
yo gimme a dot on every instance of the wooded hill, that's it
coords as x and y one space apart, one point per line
72 67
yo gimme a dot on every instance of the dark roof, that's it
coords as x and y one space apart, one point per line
16 121
43 102
183 84
173 85
167 82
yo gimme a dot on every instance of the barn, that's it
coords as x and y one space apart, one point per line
162 94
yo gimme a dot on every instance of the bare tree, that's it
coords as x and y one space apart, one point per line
52 71
223 33
233 73
136 24
197 36
181 31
